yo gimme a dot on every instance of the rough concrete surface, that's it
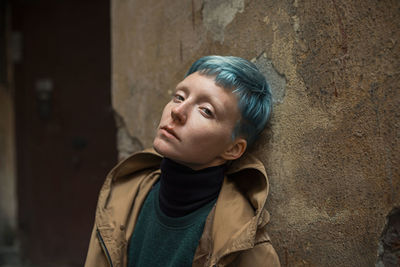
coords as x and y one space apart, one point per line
332 148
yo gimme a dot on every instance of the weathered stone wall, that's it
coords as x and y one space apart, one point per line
332 148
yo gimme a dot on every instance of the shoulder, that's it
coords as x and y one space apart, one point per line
127 176
262 254
146 159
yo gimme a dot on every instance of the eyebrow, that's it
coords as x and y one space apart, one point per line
182 87
219 108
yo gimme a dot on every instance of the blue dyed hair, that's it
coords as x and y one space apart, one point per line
249 85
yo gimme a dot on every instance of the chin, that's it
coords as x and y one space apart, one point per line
162 148
157 147
165 150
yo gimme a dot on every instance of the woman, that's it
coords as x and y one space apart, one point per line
198 199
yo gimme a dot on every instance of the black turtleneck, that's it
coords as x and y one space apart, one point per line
183 190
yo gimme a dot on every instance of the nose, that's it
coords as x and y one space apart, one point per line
178 113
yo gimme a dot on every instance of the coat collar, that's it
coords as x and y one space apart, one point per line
248 173
145 159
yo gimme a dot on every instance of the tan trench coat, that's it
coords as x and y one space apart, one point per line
234 232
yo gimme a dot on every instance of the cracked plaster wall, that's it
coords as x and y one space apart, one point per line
332 148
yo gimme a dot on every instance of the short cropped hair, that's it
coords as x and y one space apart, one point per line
249 85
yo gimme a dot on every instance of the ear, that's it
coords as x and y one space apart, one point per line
235 150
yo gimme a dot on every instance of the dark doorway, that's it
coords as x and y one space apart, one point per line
64 123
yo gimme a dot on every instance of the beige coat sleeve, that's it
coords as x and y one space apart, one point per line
262 254
95 256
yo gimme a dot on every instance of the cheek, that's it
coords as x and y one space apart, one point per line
210 137
165 113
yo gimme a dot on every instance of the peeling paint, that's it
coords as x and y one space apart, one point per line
217 14
276 80
389 245
296 23
126 144
266 20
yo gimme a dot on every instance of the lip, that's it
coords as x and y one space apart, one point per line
168 131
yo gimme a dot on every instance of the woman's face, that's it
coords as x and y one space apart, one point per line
196 125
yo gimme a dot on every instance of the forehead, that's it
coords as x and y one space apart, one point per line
205 88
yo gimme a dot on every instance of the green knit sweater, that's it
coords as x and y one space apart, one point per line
159 240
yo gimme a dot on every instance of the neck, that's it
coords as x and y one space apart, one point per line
184 190
198 167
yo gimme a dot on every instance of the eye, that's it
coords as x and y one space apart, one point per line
207 112
178 98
